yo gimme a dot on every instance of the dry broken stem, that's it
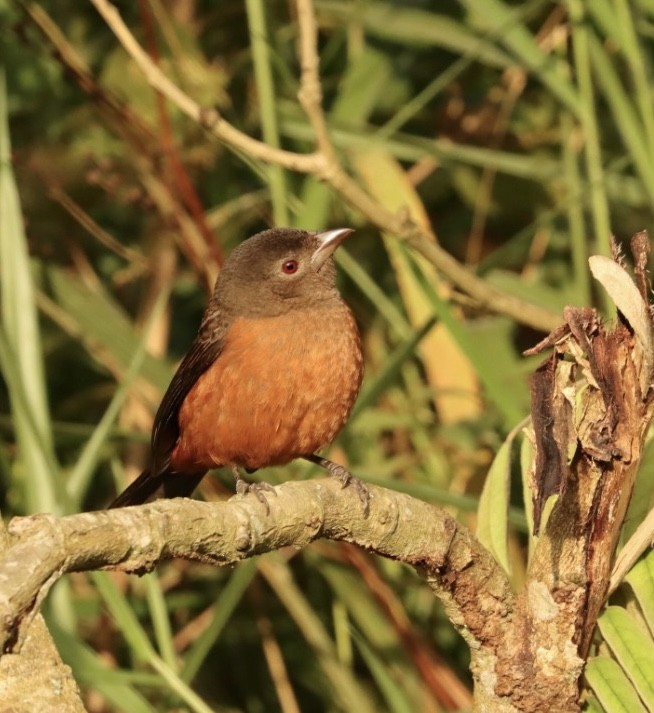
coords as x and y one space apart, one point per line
592 405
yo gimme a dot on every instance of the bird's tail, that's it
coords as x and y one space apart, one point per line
149 487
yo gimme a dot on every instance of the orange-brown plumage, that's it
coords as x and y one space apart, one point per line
272 375
253 410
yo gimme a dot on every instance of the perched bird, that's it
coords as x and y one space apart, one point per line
271 376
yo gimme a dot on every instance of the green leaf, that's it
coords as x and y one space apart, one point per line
123 615
160 619
531 291
641 581
492 522
526 463
624 111
633 649
103 326
612 687
407 147
415 28
140 644
373 388
360 89
82 472
263 75
477 353
21 357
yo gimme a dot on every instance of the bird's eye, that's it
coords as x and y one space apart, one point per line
289 267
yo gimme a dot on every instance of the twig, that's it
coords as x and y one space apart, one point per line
181 183
310 94
424 241
323 164
98 232
139 137
210 119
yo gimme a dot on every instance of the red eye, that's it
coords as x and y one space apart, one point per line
289 267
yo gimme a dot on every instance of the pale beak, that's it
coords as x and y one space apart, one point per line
329 241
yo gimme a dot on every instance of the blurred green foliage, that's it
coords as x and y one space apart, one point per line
522 132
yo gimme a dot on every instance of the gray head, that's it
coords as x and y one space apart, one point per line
279 270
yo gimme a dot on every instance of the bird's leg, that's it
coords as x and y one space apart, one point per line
257 489
346 478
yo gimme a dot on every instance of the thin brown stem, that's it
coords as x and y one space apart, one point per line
324 165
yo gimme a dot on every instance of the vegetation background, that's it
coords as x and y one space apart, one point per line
522 133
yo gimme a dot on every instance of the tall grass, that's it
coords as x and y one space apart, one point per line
543 109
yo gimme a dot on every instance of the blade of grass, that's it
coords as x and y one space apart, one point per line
363 83
502 18
160 621
349 693
407 147
224 607
21 355
371 289
447 368
22 340
364 610
448 76
395 695
139 643
342 632
510 411
24 421
260 44
102 326
416 28
87 460
624 113
617 19
375 387
91 671
587 113
575 211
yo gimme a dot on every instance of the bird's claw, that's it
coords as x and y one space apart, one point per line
257 489
347 479
362 492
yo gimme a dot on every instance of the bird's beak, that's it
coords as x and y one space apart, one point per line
329 241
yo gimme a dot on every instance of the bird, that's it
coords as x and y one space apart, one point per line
271 376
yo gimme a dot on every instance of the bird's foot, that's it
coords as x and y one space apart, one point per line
257 489
346 478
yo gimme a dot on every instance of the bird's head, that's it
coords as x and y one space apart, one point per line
280 269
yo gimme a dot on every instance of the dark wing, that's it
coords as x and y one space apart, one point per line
158 480
204 350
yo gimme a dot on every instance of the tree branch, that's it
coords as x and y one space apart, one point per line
461 572
36 678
